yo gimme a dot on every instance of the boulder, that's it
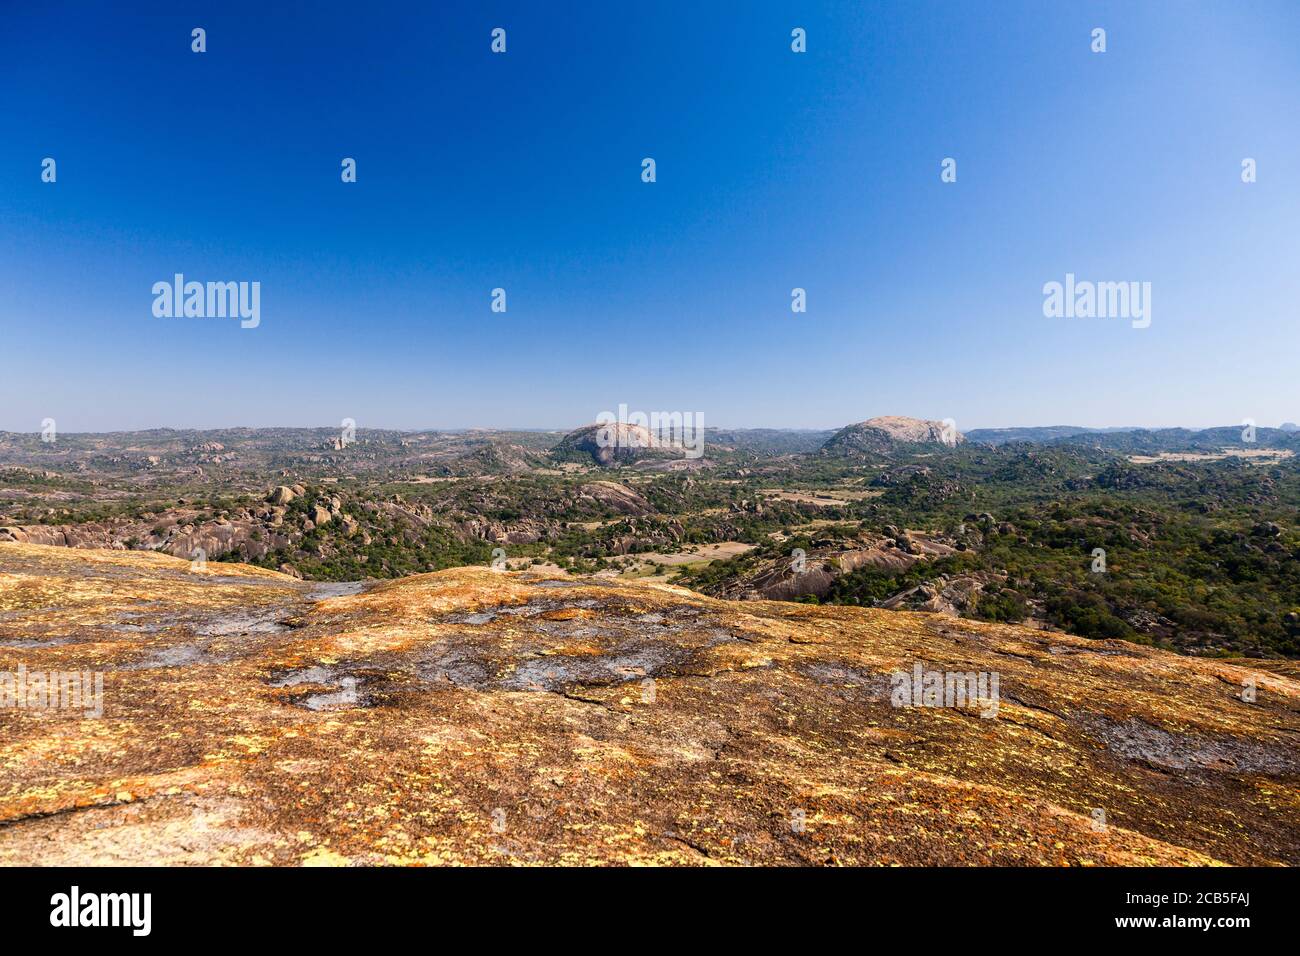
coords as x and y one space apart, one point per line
281 496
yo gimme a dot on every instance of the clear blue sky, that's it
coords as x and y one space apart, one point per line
522 171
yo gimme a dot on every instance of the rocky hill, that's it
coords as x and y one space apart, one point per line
883 434
777 573
1000 436
1144 440
294 525
472 716
615 443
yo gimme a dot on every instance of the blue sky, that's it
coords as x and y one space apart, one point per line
775 170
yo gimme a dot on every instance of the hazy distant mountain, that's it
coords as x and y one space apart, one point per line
1136 440
1000 436
1148 440
769 441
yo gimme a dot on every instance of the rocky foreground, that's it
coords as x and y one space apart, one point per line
472 716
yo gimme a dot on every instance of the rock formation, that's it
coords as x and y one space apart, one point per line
614 443
880 435
472 716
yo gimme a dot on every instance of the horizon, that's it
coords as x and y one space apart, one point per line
571 428
776 171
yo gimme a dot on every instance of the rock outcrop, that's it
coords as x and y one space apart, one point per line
472 716
881 435
281 496
783 578
615 443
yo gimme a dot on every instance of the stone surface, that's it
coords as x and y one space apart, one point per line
472 716
281 496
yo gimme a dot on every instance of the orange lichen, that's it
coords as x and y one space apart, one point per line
473 716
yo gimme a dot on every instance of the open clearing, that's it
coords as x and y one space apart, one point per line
1258 456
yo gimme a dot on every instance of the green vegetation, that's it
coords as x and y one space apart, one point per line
1201 555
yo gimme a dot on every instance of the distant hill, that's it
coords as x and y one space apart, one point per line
1151 441
613 443
884 433
769 441
1134 440
1045 433
496 458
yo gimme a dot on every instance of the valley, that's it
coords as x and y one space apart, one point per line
1197 530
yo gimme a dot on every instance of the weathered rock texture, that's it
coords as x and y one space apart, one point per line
478 717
